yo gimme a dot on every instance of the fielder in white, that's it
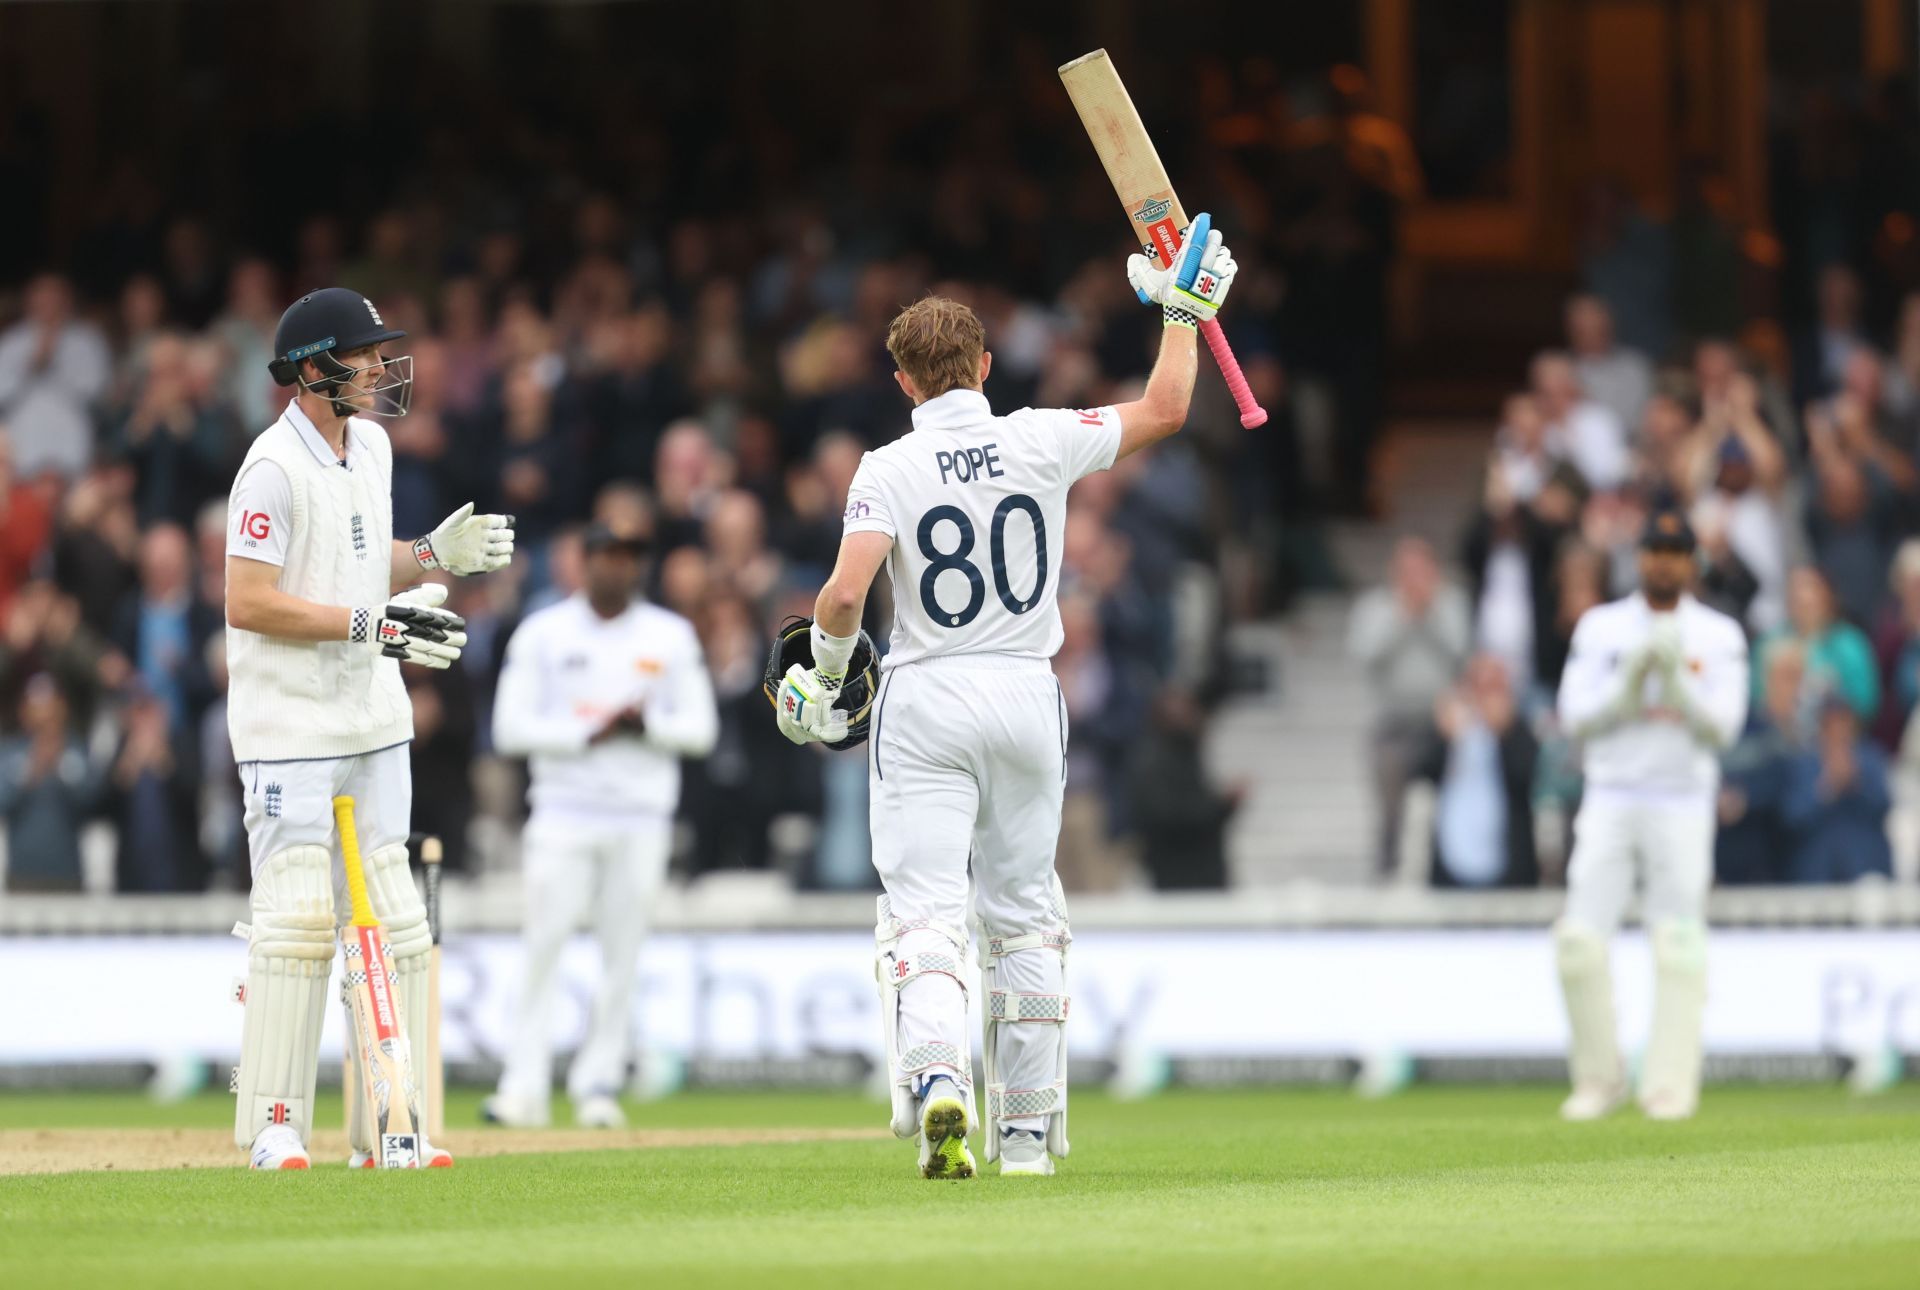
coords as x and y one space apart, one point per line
1655 688
315 639
604 694
967 747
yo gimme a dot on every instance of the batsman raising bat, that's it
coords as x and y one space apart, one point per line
967 738
318 625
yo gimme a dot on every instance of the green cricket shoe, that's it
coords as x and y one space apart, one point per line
943 1133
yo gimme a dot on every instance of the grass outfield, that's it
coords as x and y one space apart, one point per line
1437 1188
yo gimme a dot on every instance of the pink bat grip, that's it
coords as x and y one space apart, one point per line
1251 413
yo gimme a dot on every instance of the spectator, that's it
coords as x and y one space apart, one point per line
1586 433
1821 354
1850 526
1896 646
1753 844
1411 636
1839 659
26 523
1180 817
1740 470
47 790
1482 758
1856 423
164 631
52 368
1836 803
1616 377
444 738
1090 688
1581 583
155 804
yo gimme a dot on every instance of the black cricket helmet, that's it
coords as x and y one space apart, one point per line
322 325
793 643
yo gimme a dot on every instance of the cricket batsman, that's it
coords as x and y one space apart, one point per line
318 624
967 737
604 693
1655 687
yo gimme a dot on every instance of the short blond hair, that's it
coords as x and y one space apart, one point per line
937 342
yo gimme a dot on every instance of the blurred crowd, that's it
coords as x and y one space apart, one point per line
1797 459
711 380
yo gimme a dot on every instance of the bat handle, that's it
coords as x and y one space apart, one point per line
1251 413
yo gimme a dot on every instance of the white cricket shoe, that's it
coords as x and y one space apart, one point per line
1024 1152
598 1111
1668 1105
278 1147
1593 1102
516 1112
431 1157
943 1132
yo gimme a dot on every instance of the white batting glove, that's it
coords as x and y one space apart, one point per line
1191 289
412 628
466 543
804 708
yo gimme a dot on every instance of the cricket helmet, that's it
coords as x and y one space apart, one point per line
320 326
793 643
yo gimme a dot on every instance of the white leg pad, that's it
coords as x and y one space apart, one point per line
1670 1075
403 917
289 958
931 954
1026 1068
1586 980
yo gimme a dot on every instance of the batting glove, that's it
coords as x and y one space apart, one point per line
1191 289
412 628
804 708
466 543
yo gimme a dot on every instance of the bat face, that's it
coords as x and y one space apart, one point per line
386 1065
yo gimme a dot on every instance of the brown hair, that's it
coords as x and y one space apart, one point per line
938 343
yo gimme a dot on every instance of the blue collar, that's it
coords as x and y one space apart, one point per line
952 410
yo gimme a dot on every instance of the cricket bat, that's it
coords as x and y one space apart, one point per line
430 857
384 1068
1153 210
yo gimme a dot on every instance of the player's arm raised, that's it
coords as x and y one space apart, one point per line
1189 293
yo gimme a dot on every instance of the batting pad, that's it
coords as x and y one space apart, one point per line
403 918
921 1028
289 960
1025 1046
1671 1071
1586 980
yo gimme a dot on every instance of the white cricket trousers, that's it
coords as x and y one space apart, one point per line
568 866
1664 839
965 769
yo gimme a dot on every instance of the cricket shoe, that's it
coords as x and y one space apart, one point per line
515 1112
1668 1105
1593 1102
278 1147
1024 1152
431 1157
599 1111
943 1133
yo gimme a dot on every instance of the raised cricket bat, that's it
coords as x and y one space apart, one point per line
436 1073
385 1068
1153 210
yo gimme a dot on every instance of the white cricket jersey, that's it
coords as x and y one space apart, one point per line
327 523
1655 755
568 671
977 507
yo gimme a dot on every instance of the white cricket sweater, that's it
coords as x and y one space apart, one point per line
568 671
293 700
1653 755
